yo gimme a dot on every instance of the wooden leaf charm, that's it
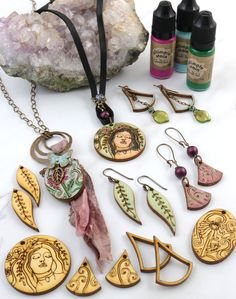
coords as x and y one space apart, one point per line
84 282
134 239
123 275
23 208
196 199
28 181
160 206
158 244
207 175
124 196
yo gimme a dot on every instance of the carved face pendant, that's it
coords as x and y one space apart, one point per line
119 142
37 265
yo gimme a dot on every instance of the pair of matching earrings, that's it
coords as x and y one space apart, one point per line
21 202
207 176
138 105
157 202
180 103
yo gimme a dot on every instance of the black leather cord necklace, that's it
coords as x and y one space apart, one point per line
115 141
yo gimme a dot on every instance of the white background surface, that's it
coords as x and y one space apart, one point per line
73 112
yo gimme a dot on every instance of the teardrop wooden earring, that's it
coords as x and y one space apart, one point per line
123 195
187 101
159 204
196 199
138 105
207 175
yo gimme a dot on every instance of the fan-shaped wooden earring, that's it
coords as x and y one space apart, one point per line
123 274
84 282
158 244
134 239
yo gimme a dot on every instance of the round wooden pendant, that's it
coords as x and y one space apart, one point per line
119 142
37 265
214 236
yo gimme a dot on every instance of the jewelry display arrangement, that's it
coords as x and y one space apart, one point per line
90 32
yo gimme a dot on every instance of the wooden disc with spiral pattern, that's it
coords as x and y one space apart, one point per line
37 265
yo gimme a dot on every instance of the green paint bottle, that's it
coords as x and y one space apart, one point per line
201 52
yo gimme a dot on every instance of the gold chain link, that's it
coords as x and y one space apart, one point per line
41 126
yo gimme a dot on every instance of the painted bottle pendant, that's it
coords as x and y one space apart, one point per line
64 177
119 142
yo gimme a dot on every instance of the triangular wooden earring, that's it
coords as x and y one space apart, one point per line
123 274
133 239
84 282
158 244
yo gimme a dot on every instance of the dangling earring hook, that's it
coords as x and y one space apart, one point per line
182 142
111 179
146 187
170 161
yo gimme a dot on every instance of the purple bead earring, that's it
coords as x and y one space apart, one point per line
207 175
196 199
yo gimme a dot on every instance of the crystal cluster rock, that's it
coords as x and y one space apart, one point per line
40 47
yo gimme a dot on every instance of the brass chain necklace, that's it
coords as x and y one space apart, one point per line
65 178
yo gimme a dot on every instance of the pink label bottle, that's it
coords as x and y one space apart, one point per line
163 41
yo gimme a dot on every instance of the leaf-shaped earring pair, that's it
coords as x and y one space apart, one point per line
125 198
21 202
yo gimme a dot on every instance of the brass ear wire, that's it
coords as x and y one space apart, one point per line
111 179
146 187
172 161
182 142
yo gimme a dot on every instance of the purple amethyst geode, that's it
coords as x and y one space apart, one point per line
40 47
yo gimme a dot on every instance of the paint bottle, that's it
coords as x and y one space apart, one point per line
201 52
187 11
163 41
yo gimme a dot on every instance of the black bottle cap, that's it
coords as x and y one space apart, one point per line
187 11
163 26
203 32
